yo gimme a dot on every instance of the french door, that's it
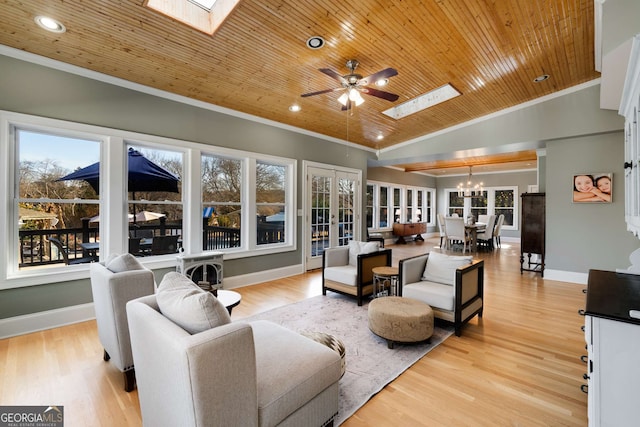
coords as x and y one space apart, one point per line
332 206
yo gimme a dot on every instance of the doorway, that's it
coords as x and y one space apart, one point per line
332 210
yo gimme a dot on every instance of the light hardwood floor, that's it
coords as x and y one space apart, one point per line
517 366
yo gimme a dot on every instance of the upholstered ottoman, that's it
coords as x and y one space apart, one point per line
401 320
330 341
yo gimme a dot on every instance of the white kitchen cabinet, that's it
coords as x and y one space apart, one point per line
613 345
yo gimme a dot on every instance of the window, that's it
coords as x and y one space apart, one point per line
155 212
495 201
369 205
70 201
222 192
270 202
406 204
57 215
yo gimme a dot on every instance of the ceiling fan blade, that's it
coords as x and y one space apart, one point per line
380 94
382 74
320 92
329 72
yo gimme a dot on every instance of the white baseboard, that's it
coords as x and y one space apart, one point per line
261 276
28 323
566 276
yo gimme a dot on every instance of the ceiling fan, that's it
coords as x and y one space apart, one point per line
353 84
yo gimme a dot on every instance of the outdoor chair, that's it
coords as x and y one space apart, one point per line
62 250
164 245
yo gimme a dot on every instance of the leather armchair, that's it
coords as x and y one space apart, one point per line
354 277
111 292
457 296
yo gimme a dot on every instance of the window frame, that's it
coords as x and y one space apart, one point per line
114 200
402 206
490 203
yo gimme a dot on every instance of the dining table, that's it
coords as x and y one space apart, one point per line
472 230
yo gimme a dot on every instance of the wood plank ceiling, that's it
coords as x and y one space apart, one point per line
258 61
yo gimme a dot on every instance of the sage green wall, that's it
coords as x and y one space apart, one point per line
38 90
583 236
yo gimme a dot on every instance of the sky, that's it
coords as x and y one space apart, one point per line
67 152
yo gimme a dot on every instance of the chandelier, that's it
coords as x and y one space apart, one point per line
470 189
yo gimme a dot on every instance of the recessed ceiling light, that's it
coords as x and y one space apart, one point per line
541 78
50 24
295 108
315 42
380 137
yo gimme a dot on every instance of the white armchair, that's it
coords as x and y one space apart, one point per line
452 285
348 269
197 368
113 284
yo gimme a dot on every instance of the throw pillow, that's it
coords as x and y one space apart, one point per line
356 248
441 268
124 262
187 305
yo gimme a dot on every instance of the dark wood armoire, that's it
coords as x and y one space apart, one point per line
532 231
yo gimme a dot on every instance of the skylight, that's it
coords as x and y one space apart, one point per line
429 99
205 4
203 15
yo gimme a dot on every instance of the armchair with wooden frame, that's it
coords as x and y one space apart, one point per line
348 270
452 285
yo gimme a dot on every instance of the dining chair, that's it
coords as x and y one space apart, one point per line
498 229
456 232
486 236
443 231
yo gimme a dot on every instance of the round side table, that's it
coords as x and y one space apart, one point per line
385 278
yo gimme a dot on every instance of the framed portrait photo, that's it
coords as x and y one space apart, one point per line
592 187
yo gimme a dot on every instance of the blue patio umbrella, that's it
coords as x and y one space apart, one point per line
144 175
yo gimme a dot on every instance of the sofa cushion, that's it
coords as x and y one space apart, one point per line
291 370
356 248
441 268
187 305
124 262
345 274
437 295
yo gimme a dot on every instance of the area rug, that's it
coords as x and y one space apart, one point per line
370 365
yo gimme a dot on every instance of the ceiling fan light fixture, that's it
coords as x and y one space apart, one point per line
354 96
382 82
344 98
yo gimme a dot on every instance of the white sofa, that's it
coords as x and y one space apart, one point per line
232 374
114 283
452 285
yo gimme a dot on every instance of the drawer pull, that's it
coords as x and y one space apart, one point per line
584 388
585 376
584 358
581 312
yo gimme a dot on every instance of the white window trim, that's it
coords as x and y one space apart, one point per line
113 198
391 207
490 203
